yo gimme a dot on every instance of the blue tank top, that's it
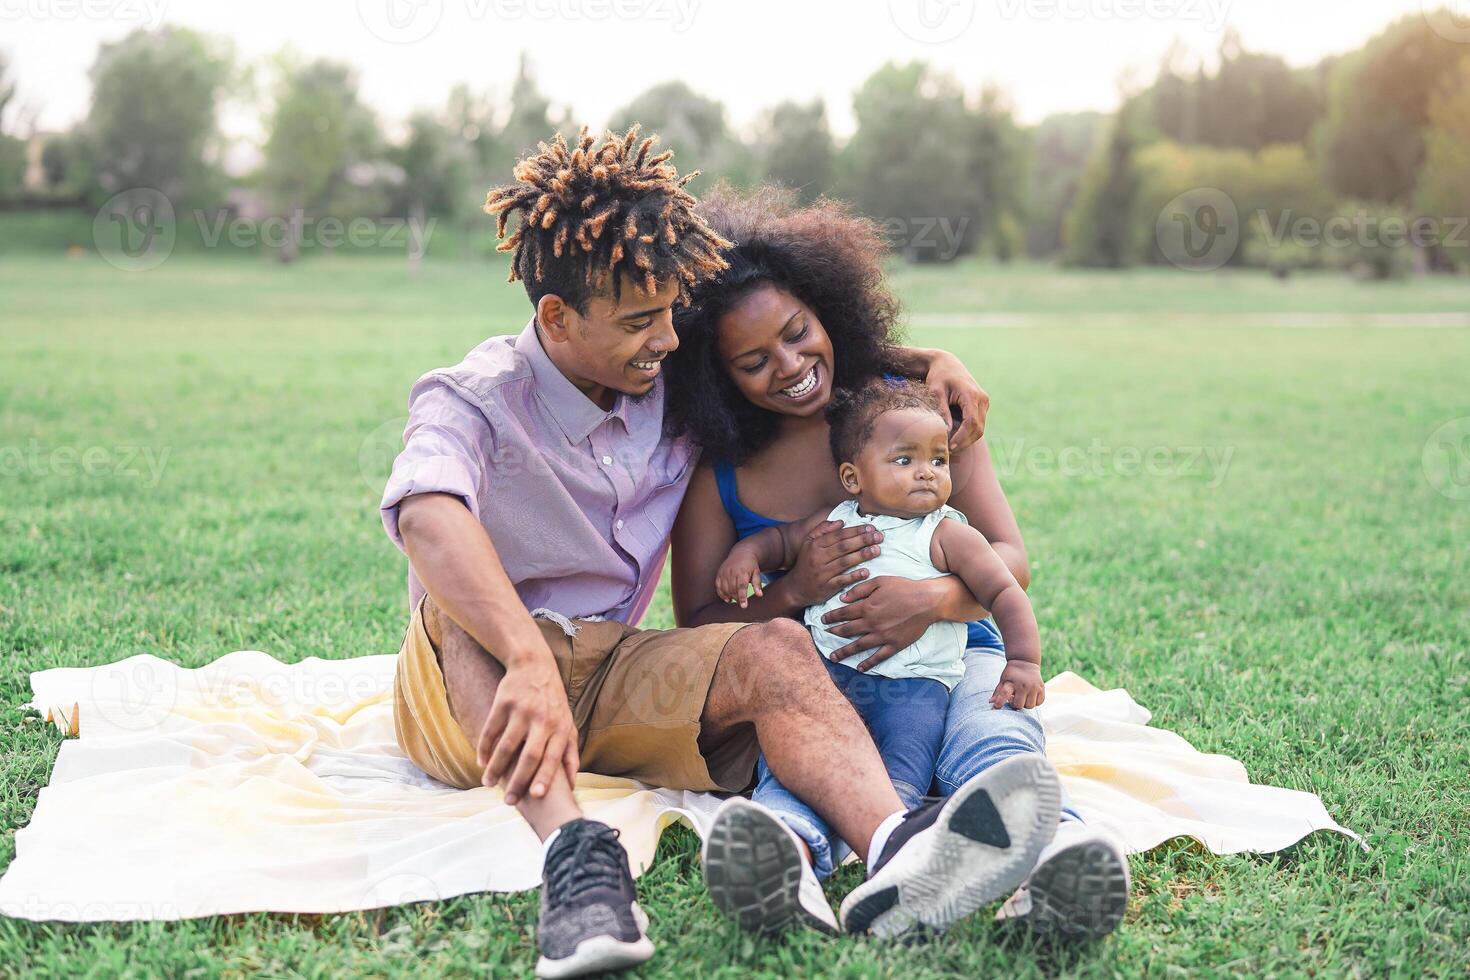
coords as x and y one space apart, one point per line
982 632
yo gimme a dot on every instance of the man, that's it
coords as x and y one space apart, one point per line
534 499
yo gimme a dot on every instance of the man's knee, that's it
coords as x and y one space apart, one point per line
774 663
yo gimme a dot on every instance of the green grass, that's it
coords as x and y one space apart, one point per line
1305 609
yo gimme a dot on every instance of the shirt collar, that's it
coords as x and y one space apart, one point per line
577 415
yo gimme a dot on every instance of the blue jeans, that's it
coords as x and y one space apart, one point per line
976 737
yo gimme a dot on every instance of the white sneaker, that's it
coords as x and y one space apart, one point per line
1078 889
755 873
951 856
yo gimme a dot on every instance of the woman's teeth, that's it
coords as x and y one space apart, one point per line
802 387
646 365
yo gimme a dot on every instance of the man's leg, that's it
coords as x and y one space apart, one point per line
771 676
1079 887
471 676
590 920
928 867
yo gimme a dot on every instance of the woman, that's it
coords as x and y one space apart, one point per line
802 310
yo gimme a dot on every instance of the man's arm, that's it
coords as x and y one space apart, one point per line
529 730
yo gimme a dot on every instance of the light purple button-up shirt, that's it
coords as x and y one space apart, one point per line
578 502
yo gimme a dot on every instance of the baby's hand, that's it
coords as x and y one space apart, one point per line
1020 686
737 577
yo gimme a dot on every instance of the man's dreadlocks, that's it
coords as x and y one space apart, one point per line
590 216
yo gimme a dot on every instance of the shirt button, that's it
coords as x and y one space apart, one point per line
620 524
607 461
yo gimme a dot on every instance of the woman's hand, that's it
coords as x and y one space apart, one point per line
827 559
956 386
883 616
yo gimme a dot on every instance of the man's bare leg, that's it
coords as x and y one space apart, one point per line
770 675
471 675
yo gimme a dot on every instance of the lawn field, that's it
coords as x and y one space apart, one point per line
1246 501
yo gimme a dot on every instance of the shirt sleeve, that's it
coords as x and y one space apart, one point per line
445 450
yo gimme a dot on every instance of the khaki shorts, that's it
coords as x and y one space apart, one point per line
636 697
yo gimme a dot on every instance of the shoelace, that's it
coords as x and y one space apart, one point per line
594 861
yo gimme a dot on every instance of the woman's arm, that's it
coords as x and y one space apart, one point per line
977 495
955 386
704 535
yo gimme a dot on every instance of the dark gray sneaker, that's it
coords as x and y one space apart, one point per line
1078 890
951 856
590 919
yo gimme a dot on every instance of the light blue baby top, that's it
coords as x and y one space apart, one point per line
939 652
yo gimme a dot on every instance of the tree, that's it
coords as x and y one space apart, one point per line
12 149
433 161
1444 181
1061 146
908 164
1098 231
693 126
152 122
317 131
1372 142
1250 101
796 148
998 166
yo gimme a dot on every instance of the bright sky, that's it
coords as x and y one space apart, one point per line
595 55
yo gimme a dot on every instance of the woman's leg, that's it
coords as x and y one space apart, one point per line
802 819
977 736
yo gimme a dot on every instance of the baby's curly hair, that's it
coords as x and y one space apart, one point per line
825 256
591 215
852 415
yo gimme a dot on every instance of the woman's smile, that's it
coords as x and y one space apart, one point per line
809 385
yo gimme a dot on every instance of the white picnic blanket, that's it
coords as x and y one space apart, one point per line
253 785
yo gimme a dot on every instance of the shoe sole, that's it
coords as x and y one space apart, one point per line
600 954
752 870
985 842
1080 894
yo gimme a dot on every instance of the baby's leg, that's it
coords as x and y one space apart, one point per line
906 718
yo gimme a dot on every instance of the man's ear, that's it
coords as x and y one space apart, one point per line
847 474
555 317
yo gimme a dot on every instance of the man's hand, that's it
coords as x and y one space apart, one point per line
1020 686
883 615
529 731
955 386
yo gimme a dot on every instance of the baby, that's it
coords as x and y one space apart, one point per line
892 450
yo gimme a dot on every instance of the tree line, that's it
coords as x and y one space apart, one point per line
1378 135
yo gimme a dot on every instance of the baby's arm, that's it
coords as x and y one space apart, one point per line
961 549
766 550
